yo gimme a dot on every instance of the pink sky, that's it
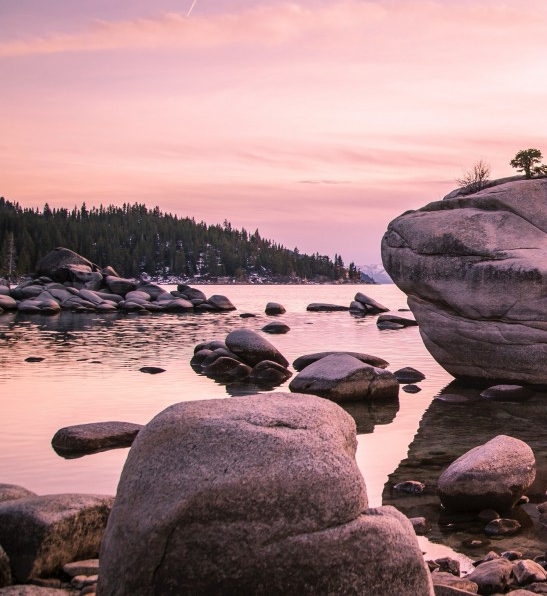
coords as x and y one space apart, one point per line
316 122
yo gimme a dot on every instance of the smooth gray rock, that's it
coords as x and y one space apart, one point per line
85 275
528 571
269 373
137 296
177 305
45 306
253 495
303 361
371 306
323 307
341 377
10 492
82 439
408 375
276 328
252 347
356 308
404 321
152 290
41 534
444 578
507 393
475 273
502 527
191 293
91 296
490 476
226 369
274 308
219 302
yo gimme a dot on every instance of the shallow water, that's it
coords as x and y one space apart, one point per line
90 373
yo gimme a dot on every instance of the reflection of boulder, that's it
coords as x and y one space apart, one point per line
474 270
449 429
369 414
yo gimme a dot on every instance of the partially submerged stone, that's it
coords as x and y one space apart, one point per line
341 377
274 308
324 307
252 347
303 361
82 439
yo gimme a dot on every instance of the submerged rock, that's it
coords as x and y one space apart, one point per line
303 361
323 307
252 348
341 377
274 308
81 439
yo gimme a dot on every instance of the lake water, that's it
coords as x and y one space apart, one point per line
90 373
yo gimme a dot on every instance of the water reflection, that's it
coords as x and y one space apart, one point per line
455 422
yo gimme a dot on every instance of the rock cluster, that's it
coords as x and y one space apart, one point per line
65 280
360 305
258 495
244 354
475 273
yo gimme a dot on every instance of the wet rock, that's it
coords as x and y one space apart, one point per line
502 527
191 293
411 389
81 439
151 370
408 375
251 520
210 345
153 291
274 308
412 487
46 306
35 359
371 306
507 393
136 296
226 369
252 348
199 358
303 361
449 565
269 373
511 555
390 325
177 305
276 328
490 476
247 315
356 308
7 303
341 377
487 515
492 577
41 534
323 307
403 321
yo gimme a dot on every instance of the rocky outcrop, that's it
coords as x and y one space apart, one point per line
475 272
494 475
41 534
11 492
68 281
341 377
253 495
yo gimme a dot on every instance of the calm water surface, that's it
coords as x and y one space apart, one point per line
90 373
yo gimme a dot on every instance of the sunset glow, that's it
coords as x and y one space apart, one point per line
315 122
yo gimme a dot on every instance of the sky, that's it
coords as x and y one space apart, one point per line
316 122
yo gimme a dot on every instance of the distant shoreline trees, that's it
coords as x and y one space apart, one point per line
135 240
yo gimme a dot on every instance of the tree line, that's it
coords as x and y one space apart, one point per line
135 240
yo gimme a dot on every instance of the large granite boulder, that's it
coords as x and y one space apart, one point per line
475 272
56 264
342 377
490 476
253 495
41 534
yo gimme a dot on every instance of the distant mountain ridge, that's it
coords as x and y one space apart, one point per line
376 272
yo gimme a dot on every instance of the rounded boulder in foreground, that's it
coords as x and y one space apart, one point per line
253 495
252 348
490 476
341 377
